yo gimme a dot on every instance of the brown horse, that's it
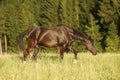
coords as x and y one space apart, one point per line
59 36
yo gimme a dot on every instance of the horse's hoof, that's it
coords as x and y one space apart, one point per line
24 62
36 63
75 60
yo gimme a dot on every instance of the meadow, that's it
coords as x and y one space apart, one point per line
88 67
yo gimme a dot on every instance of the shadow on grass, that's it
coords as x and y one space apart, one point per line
50 57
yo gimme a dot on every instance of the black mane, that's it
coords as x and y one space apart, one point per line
74 31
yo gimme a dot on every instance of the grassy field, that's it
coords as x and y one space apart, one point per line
88 67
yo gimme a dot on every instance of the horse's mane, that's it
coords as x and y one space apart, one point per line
80 33
64 27
73 30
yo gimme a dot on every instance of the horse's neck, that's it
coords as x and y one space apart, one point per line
80 36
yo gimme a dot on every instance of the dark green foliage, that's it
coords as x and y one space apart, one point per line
2 22
108 14
100 19
62 12
112 40
49 12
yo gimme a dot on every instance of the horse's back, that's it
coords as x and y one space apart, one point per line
52 36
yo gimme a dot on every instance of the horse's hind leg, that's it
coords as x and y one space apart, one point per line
62 52
26 53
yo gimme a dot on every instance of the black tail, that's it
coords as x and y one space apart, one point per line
20 38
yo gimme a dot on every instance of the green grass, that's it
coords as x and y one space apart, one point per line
89 67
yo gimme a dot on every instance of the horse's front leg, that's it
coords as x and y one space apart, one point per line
36 50
74 51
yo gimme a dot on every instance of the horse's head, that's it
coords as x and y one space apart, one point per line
89 43
75 35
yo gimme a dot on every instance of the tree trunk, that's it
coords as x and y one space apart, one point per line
5 38
0 47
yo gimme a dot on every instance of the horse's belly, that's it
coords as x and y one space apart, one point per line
49 43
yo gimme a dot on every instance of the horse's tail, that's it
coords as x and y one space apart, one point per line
20 38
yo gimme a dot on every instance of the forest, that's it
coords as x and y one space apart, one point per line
99 19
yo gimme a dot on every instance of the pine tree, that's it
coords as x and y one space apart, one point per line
85 7
48 12
70 14
2 22
2 27
112 41
116 6
108 13
62 12
11 24
18 18
26 18
76 14
36 10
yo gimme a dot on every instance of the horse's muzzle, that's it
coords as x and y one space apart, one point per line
94 53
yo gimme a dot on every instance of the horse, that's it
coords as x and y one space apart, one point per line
60 36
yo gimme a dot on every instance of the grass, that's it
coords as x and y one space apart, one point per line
89 67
